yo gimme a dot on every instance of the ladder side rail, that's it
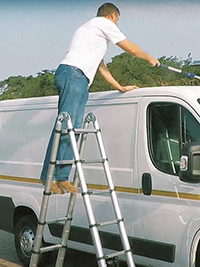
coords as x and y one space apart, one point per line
66 231
121 227
93 226
71 205
46 195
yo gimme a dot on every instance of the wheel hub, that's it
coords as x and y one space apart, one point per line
27 241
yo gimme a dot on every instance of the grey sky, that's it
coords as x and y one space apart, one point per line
35 34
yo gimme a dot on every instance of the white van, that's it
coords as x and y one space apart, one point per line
145 132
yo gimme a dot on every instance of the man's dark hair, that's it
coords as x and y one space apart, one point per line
106 9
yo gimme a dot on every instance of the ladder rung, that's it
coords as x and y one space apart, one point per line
64 162
50 248
71 162
112 255
80 131
102 192
59 220
92 161
109 223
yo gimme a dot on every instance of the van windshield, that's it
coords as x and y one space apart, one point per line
170 127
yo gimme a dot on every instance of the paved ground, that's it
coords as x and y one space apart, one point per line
4 263
8 254
9 258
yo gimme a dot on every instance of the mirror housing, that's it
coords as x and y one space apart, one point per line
190 163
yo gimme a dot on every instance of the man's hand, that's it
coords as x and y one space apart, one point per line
106 74
127 88
154 62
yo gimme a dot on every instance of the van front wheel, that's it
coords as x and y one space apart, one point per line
25 237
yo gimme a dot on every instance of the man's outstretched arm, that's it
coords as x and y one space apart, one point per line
104 71
135 50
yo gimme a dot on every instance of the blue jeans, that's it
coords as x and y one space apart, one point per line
72 86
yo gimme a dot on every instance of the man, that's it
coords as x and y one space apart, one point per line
76 73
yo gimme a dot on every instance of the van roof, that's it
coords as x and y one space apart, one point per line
188 92
177 91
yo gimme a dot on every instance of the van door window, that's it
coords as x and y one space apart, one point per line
170 127
190 127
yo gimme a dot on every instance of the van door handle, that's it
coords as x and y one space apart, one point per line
146 184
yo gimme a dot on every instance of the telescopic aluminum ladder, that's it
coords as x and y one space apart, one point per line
80 179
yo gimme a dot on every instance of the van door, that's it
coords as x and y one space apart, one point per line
166 124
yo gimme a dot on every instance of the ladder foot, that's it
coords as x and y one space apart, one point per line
113 262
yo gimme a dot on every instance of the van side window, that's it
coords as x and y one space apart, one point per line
190 128
170 127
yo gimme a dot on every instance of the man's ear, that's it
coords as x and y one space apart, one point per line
112 15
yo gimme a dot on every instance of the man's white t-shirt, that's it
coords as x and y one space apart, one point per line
90 43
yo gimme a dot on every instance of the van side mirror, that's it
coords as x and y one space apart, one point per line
190 163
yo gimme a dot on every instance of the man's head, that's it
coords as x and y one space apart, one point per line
109 11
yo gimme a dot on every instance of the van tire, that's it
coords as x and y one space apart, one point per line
197 261
24 239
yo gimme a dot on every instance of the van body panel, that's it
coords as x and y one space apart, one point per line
161 226
6 221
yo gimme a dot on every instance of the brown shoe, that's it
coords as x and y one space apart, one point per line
67 186
56 189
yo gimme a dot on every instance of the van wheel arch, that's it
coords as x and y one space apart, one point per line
20 212
25 225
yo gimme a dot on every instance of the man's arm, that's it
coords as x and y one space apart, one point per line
135 50
104 71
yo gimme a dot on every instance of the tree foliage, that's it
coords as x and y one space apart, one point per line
130 70
125 68
23 87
